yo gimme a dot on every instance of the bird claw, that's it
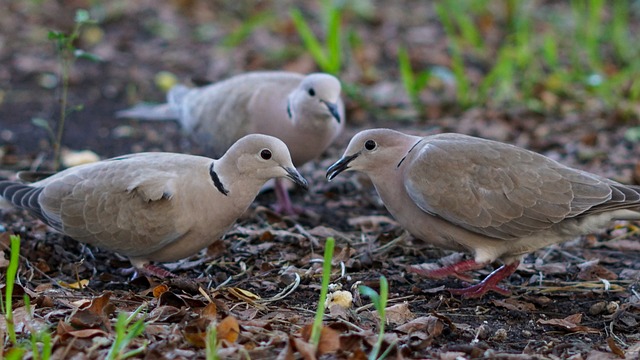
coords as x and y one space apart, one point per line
490 283
456 270
478 290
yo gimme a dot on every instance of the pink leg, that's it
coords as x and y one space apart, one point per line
457 270
490 283
283 202
156 271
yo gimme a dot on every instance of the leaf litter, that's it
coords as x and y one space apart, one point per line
260 285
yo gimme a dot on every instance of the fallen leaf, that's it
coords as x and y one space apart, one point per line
78 285
87 333
244 295
399 314
329 339
570 323
210 311
166 313
159 290
228 329
515 305
195 332
615 348
429 324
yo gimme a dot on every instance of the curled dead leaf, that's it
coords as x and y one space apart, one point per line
159 290
571 323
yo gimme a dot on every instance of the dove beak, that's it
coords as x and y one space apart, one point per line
333 109
295 176
340 166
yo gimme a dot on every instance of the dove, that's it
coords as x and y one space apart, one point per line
155 206
494 200
305 112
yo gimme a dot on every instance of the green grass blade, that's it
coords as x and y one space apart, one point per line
316 329
12 272
334 42
309 39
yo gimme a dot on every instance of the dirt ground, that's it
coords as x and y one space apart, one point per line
577 300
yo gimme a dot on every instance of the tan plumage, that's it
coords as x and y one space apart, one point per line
155 206
305 112
494 200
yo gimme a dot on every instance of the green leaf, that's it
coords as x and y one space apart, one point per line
82 16
41 123
56 35
81 54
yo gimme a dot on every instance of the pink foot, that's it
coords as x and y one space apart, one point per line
490 283
456 270
284 205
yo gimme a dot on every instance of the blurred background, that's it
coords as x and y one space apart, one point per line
560 77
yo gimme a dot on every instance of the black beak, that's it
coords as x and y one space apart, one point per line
340 166
295 176
333 109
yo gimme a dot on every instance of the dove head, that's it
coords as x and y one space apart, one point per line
374 151
263 157
317 97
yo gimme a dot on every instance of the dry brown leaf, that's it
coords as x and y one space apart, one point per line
166 313
195 332
228 329
87 333
101 304
305 349
243 295
329 339
399 314
570 323
615 348
159 290
430 324
210 311
595 272
515 305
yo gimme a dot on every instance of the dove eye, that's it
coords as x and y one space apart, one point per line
370 145
265 154
312 92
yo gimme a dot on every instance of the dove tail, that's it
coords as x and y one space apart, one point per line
22 196
175 97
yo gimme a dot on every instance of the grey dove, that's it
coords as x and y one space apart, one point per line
305 112
155 206
495 200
